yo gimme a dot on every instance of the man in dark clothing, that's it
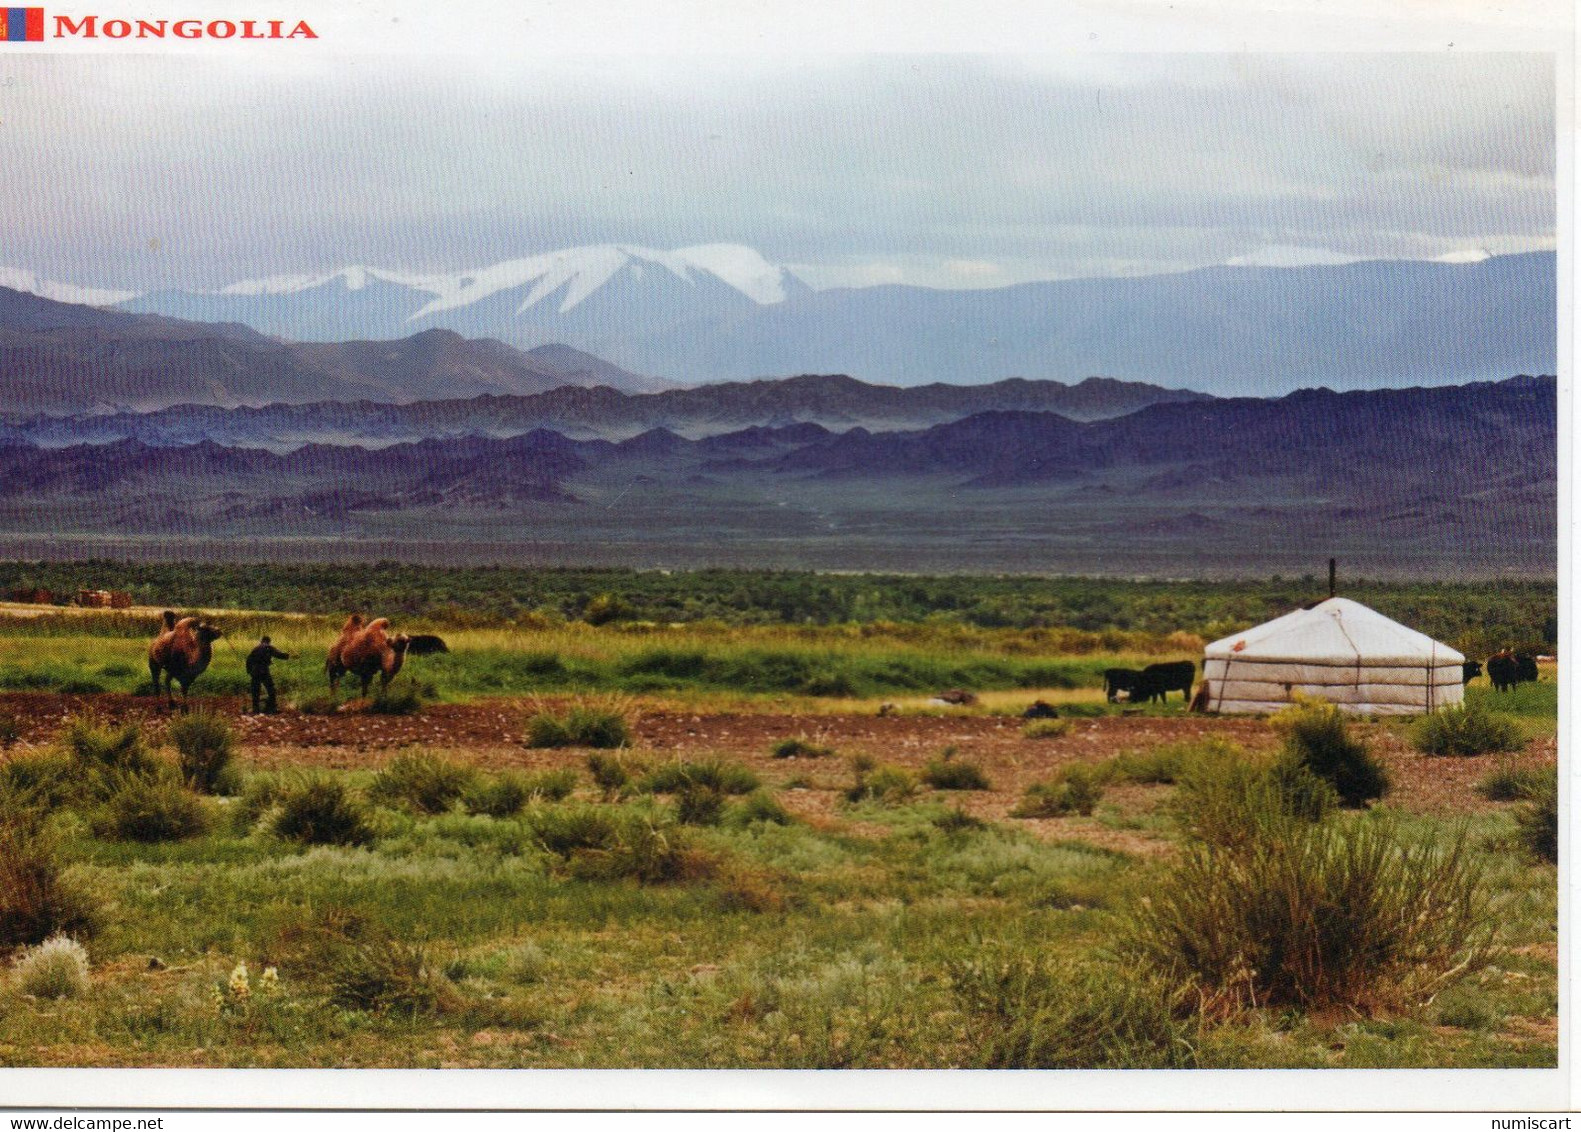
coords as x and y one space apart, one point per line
258 662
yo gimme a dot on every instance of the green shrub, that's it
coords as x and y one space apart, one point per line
56 968
1537 822
950 774
386 976
1039 1012
584 725
1316 737
151 809
46 779
1045 728
104 753
612 774
1077 790
204 750
36 901
507 794
316 809
957 820
400 698
714 774
318 705
759 806
1161 765
699 805
563 830
872 782
1467 729
1324 913
1227 797
423 783
800 749
1510 783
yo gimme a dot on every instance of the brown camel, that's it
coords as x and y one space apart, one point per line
367 648
181 652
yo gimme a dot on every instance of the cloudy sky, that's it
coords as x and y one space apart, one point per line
942 170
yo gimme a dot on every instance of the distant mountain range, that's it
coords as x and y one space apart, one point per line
835 402
1437 480
723 312
68 358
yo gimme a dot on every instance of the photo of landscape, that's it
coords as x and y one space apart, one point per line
811 561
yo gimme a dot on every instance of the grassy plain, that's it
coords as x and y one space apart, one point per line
813 922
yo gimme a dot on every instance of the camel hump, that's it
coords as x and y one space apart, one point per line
185 623
353 622
169 618
380 623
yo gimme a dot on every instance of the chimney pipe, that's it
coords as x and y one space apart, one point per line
1331 563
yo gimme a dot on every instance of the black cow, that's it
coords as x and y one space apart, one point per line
1158 680
1503 671
1117 680
1525 669
1470 671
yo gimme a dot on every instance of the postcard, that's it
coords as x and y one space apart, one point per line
988 556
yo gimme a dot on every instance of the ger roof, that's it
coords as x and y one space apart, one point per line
1336 629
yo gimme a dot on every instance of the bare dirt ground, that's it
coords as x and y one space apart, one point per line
488 733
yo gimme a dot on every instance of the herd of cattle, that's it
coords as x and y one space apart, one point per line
1143 685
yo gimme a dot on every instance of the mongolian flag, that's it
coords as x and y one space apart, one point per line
24 25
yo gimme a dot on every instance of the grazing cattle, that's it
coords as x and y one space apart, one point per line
1040 710
180 653
1525 669
1117 680
1470 671
366 649
1503 671
1158 680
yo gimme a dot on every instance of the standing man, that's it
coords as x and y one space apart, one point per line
258 662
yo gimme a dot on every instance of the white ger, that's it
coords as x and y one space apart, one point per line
1337 650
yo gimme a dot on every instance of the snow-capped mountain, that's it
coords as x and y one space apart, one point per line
601 291
723 312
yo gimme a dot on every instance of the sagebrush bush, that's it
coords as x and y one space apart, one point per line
386 976
507 794
1077 790
562 830
602 843
422 782
880 783
399 698
1510 783
584 725
759 806
1038 1012
1317 738
953 774
1466 729
104 753
46 779
1045 728
612 774
36 900
1228 797
1324 913
316 809
1161 765
699 805
56 968
150 809
957 820
205 748
800 749
714 774
1537 822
